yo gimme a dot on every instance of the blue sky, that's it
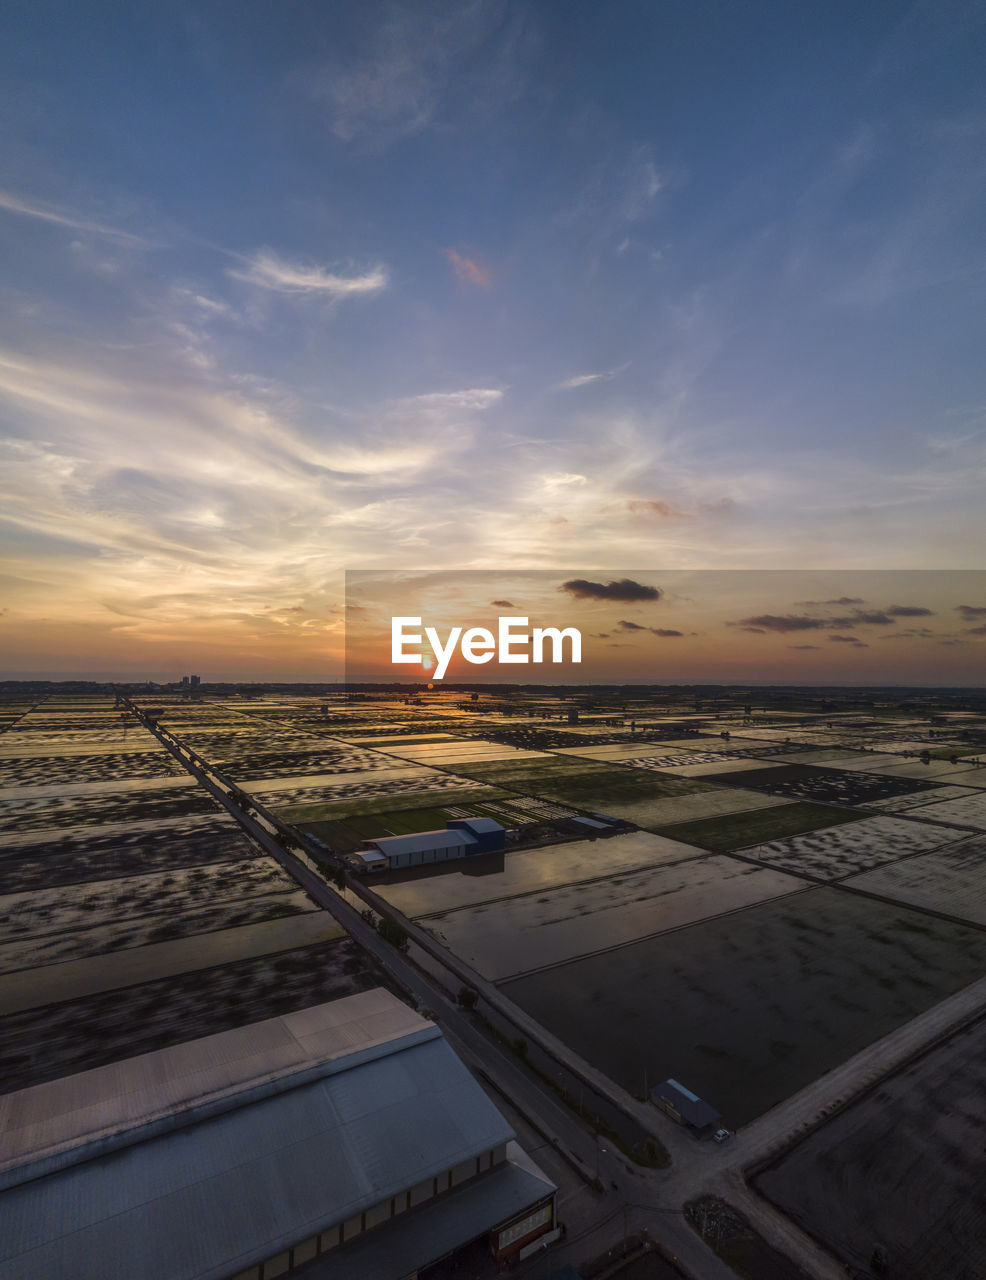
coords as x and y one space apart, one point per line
289 289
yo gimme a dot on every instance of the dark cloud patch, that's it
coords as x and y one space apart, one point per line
782 623
976 631
970 611
503 604
625 590
599 635
787 622
909 611
912 633
819 604
853 640
626 625
863 617
950 643
802 646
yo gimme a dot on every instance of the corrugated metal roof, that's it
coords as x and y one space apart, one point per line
433 1229
483 825
201 1202
51 1124
423 841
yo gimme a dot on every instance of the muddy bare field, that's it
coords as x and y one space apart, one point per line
59 1039
904 1167
78 858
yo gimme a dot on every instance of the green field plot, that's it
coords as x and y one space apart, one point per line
747 1009
345 835
657 812
574 781
740 830
303 815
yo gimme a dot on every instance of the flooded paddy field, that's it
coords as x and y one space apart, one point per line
45 1043
533 930
75 767
454 753
747 1008
52 809
353 786
918 799
102 853
921 1134
935 770
107 970
52 925
488 877
841 851
967 810
950 880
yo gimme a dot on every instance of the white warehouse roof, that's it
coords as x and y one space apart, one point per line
423 841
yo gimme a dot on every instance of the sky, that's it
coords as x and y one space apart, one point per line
289 290
686 626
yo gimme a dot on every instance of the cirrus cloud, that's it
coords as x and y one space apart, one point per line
267 270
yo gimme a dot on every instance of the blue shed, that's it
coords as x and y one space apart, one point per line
489 835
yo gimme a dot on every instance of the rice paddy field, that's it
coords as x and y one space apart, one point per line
729 957
111 851
748 1008
790 893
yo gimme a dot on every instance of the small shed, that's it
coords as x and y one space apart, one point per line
488 834
684 1106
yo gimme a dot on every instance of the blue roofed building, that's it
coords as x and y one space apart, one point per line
684 1106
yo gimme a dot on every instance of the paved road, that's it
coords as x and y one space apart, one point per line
651 1198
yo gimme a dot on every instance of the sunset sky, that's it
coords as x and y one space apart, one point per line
685 626
290 289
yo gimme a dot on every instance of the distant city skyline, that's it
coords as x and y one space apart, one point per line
299 289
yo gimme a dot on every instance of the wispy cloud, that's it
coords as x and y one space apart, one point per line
585 379
469 270
402 78
28 208
267 270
